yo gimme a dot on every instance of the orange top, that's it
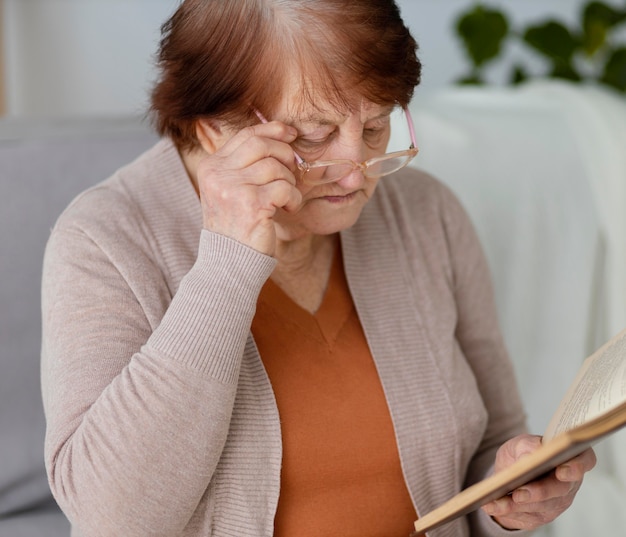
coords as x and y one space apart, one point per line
341 470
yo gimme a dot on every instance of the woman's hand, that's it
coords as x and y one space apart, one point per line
540 501
244 183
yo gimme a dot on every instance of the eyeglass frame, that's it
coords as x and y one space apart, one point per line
306 167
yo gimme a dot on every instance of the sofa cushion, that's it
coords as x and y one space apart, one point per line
43 165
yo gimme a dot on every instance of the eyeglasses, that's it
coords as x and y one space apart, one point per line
334 170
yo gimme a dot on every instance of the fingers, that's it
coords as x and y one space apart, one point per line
575 469
262 141
523 509
265 171
246 181
544 490
516 448
255 155
267 182
542 500
531 517
280 195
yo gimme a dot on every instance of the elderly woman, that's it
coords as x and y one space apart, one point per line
266 325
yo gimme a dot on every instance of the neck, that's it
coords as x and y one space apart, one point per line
304 267
191 159
305 254
300 255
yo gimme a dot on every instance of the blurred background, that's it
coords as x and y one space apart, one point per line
93 57
540 166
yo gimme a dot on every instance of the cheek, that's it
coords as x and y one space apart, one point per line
370 186
386 140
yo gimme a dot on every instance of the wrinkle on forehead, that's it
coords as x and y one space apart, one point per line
316 106
310 95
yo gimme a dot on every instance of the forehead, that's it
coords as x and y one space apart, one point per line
304 103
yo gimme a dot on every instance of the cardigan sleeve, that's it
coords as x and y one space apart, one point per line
138 406
480 339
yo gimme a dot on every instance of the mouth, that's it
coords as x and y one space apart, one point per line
339 198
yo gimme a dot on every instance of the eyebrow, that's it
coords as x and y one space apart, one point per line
319 119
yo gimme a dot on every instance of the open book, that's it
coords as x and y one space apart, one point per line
593 408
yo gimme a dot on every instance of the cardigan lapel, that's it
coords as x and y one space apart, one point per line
388 305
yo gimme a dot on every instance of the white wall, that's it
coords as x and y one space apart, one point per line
81 57
91 57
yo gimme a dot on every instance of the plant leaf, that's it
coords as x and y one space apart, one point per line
553 40
471 80
615 70
594 36
604 13
518 75
482 31
565 71
597 20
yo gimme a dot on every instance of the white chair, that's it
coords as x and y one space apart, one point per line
541 170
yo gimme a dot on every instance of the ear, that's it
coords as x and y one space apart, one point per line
210 135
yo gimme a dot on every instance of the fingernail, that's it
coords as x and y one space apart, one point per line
489 508
495 507
521 496
564 473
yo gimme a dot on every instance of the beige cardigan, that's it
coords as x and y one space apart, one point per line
161 419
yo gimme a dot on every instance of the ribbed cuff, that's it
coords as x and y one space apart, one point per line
208 321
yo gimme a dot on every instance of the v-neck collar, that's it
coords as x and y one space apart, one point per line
330 317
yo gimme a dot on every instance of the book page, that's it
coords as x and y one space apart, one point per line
599 386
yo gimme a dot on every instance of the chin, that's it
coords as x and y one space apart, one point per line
306 223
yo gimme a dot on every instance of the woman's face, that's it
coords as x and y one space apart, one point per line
327 134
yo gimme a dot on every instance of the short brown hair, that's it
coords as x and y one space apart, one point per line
217 58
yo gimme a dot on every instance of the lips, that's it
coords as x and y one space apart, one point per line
338 198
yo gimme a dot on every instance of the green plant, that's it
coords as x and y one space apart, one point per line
589 51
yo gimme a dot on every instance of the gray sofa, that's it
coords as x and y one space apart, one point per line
43 165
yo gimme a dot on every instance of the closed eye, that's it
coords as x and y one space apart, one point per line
375 137
313 145
373 133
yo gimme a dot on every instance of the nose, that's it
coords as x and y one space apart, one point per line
353 181
353 148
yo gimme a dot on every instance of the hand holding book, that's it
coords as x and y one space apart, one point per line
542 500
593 408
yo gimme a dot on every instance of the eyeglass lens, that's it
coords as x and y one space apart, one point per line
379 168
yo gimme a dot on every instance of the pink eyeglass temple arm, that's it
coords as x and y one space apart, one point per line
407 113
261 117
